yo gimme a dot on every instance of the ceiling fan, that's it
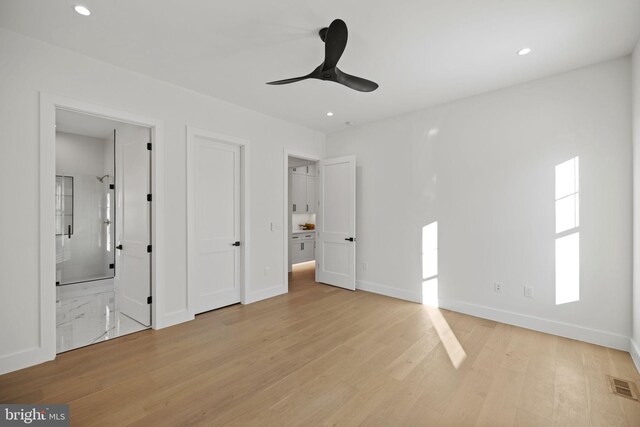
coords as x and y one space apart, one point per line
335 40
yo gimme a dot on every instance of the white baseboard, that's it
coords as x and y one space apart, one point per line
271 292
634 350
23 359
389 291
170 319
567 330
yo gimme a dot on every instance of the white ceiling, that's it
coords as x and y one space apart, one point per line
421 52
84 124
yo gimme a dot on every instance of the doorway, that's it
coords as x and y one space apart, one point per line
102 229
320 207
302 178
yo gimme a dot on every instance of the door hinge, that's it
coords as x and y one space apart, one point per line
112 266
149 300
148 197
149 248
112 186
149 146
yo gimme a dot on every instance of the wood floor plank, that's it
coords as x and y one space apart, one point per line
321 355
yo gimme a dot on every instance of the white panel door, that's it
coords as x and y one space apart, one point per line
215 232
336 223
133 183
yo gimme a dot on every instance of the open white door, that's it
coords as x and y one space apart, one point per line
336 223
214 223
133 224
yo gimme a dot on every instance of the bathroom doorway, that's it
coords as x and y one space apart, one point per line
103 229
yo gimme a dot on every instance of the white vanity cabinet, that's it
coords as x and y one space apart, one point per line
302 247
303 189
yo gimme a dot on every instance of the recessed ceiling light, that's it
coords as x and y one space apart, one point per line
524 51
349 123
82 10
329 113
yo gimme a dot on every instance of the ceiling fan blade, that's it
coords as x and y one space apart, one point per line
287 81
334 43
357 83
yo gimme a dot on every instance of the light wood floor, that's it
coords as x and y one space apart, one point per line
325 356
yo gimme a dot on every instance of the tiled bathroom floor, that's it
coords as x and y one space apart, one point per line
88 319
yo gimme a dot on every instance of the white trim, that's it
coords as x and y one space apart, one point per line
192 133
46 349
634 351
567 330
23 359
286 229
176 317
271 292
389 291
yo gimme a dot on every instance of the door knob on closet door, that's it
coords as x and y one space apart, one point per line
119 247
235 244
350 239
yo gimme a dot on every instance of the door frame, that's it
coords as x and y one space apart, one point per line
192 133
47 167
285 217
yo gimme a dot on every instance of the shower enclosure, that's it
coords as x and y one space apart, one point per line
85 220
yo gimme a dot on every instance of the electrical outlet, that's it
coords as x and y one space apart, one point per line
266 271
497 287
365 266
528 291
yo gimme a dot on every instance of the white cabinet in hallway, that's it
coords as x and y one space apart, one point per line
302 247
298 193
303 189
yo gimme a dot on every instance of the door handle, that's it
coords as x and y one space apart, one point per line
235 244
119 247
69 231
350 239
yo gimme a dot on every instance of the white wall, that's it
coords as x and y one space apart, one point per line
28 66
635 342
483 167
79 154
295 162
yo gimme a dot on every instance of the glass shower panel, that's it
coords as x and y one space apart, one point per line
84 228
64 205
